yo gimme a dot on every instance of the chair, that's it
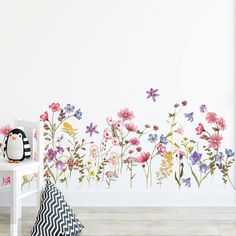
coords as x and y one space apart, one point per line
16 171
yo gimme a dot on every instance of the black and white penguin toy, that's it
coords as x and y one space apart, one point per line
17 146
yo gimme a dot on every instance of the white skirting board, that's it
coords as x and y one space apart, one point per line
139 199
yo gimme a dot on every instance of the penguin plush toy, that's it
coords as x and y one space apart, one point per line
17 146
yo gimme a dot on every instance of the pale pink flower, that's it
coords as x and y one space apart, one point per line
221 123
131 127
118 124
109 120
214 141
93 151
113 159
134 141
5 130
143 157
129 160
126 114
107 134
180 130
111 174
199 129
162 149
54 107
115 141
6 180
211 117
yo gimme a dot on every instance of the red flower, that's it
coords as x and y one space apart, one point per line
44 116
139 149
131 127
155 127
184 103
126 114
54 107
143 157
147 126
199 129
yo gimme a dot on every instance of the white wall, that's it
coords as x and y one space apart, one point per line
104 55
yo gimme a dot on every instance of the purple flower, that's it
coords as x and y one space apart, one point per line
229 152
219 157
187 182
195 158
69 108
204 168
189 116
203 108
60 165
78 114
152 93
91 129
60 150
51 155
163 139
152 138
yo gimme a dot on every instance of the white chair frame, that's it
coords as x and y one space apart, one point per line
26 167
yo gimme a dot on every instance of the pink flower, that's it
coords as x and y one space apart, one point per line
107 134
162 149
176 105
126 114
118 124
111 174
109 120
115 141
54 107
129 160
221 123
214 141
184 103
44 116
6 180
93 151
147 126
180 130
134 141
131 127
211 117
143 157
199 129
5 130
131 151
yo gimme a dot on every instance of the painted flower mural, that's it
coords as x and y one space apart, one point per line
185 148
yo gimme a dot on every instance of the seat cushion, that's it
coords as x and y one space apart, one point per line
55 216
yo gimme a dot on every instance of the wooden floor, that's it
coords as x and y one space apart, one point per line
142 221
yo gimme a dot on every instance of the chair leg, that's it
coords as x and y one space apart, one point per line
15 183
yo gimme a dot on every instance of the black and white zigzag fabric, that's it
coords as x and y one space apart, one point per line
55 216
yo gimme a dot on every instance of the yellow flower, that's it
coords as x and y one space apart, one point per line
89 163
162 170
68 128
91 173
169 156
189 149
185 139
170 171
163 162
170 164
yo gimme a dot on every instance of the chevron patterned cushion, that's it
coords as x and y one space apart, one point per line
55 216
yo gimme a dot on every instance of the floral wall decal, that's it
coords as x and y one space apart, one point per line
121 149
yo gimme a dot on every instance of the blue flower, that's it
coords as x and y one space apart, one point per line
229 152
152 138
204 168
195 158
163 139
203 108
152 93
187 182
91 129
69 108
189 116
78 114
219 157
